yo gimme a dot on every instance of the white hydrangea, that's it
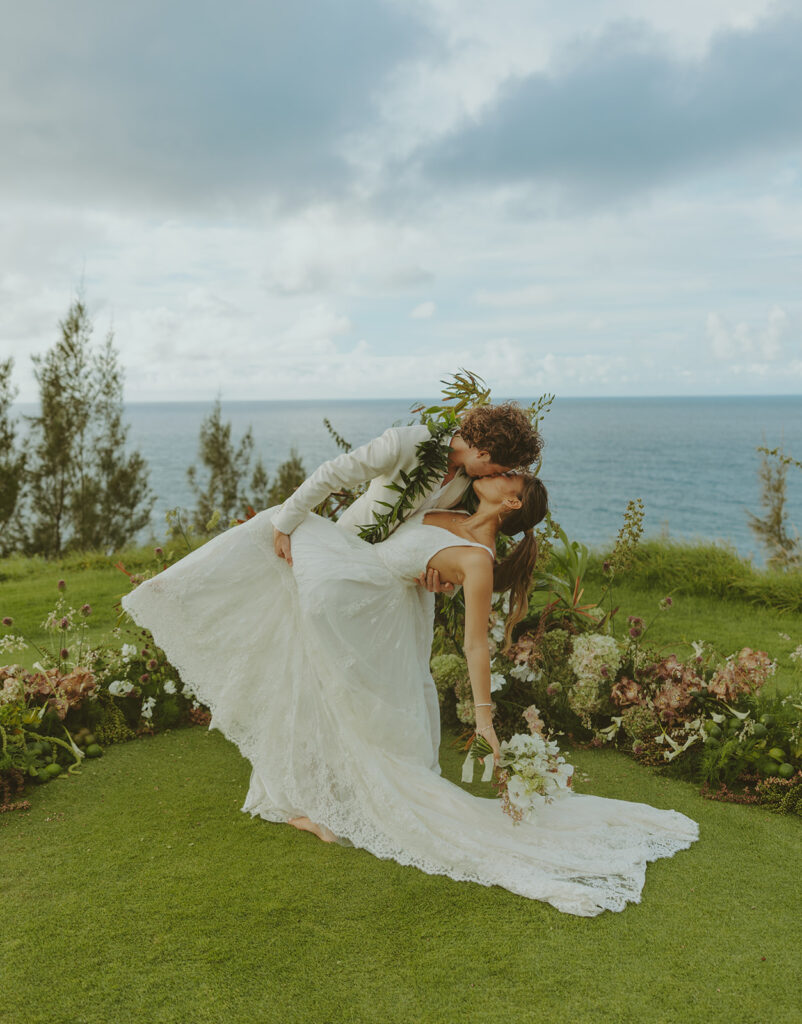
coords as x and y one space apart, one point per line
590 653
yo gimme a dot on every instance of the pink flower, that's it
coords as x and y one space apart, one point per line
158 551
533 720
625 691
61 584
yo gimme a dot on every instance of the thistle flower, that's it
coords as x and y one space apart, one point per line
144 678
64 653
62 585
144 652
86 609
158 551
8 621
152 664
65 623
666 602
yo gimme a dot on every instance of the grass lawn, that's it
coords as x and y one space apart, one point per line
139 892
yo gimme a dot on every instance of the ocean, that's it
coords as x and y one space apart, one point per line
693 461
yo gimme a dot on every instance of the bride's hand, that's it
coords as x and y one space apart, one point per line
484 728
281 545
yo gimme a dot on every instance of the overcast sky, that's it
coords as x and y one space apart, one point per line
352 198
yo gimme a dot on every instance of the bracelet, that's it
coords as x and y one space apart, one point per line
490 705
483 729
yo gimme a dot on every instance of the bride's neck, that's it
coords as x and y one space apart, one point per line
484 521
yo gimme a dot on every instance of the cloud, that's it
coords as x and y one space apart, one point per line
180 103
727 343
424 311
621 112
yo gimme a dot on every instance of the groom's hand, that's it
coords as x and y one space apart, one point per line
281 545
431 580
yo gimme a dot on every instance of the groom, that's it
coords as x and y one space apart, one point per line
491 439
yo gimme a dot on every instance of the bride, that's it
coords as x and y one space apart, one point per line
318 671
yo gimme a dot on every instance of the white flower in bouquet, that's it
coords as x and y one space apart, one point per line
532 773
169 686
128 651
147 707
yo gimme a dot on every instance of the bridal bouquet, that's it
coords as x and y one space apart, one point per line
531 773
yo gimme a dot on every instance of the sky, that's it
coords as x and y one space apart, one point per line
352 199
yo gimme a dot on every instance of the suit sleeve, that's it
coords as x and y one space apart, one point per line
379 456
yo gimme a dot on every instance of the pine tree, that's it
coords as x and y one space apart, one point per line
289 475
12 462
227 467
773 529
260 486
122 499
82 491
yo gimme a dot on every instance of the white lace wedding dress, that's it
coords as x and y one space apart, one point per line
319 673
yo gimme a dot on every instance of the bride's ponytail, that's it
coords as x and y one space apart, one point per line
514 573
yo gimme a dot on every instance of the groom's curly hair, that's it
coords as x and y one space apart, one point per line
505 431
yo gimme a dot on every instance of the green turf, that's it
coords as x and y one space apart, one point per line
140 892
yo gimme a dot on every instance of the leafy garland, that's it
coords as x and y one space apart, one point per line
463 389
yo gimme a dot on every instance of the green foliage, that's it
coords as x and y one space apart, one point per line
773 529
12 462
784 796
289 475
226 465
81 490
706 568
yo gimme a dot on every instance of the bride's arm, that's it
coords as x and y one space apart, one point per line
477 587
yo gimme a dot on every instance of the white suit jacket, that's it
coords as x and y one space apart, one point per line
380 461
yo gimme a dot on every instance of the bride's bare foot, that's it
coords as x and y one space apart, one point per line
319 830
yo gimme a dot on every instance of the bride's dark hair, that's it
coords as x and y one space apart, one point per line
514 573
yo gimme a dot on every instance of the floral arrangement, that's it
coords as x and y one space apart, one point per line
78 696
690 712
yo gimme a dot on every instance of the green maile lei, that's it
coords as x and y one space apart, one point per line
461 391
